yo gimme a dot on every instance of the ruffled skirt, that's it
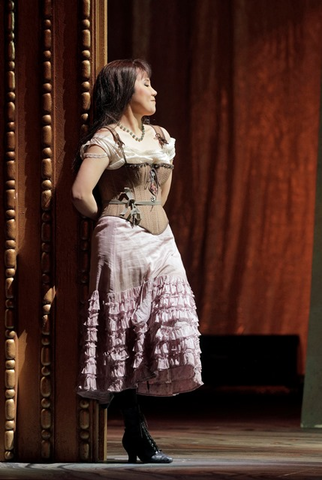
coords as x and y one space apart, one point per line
141 328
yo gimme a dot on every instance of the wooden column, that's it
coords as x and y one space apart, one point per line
52 50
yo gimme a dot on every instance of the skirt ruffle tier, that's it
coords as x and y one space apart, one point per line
145 338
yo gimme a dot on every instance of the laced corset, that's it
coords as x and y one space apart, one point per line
131 185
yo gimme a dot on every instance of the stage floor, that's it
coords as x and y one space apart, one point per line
210 437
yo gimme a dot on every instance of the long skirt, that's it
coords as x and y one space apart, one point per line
141 328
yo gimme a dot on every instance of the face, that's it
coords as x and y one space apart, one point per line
143 99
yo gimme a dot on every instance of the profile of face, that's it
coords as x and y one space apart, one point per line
143 101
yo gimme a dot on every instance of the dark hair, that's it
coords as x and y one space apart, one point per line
112 92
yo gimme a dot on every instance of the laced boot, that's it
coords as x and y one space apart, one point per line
138 442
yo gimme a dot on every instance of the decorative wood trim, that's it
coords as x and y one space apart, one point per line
85 407
10 249
47 264
92 422
100 35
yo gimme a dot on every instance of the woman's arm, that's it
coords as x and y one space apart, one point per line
165 189
86 180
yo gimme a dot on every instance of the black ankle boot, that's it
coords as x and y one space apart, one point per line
138 442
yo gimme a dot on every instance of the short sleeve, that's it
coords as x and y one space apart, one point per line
98 141
110 149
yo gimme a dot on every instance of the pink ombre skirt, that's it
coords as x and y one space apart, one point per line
141 327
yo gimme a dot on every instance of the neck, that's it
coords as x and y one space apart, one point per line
131 121
132 129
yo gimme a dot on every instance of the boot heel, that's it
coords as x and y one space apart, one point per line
132 457
137 440
128 447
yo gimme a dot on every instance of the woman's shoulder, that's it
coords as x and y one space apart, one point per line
161 131
108 134
105 138
167 142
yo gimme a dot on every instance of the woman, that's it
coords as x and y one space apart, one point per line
141 330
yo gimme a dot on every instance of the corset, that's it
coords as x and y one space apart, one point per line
131 185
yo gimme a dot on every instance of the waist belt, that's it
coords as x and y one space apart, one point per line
130 202
131 212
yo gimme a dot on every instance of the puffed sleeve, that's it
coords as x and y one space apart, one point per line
104 143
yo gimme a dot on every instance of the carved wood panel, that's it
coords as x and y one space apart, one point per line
85 414
51 52
10 248
47 240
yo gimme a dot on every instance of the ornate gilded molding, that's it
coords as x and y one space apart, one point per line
10 251
85 447
92 419
48 292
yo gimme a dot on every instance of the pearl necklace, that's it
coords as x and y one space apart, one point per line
127 130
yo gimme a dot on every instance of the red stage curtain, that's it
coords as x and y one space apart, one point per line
239 87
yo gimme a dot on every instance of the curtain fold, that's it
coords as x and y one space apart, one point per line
239 86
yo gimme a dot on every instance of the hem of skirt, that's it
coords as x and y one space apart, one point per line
105 398
148 393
